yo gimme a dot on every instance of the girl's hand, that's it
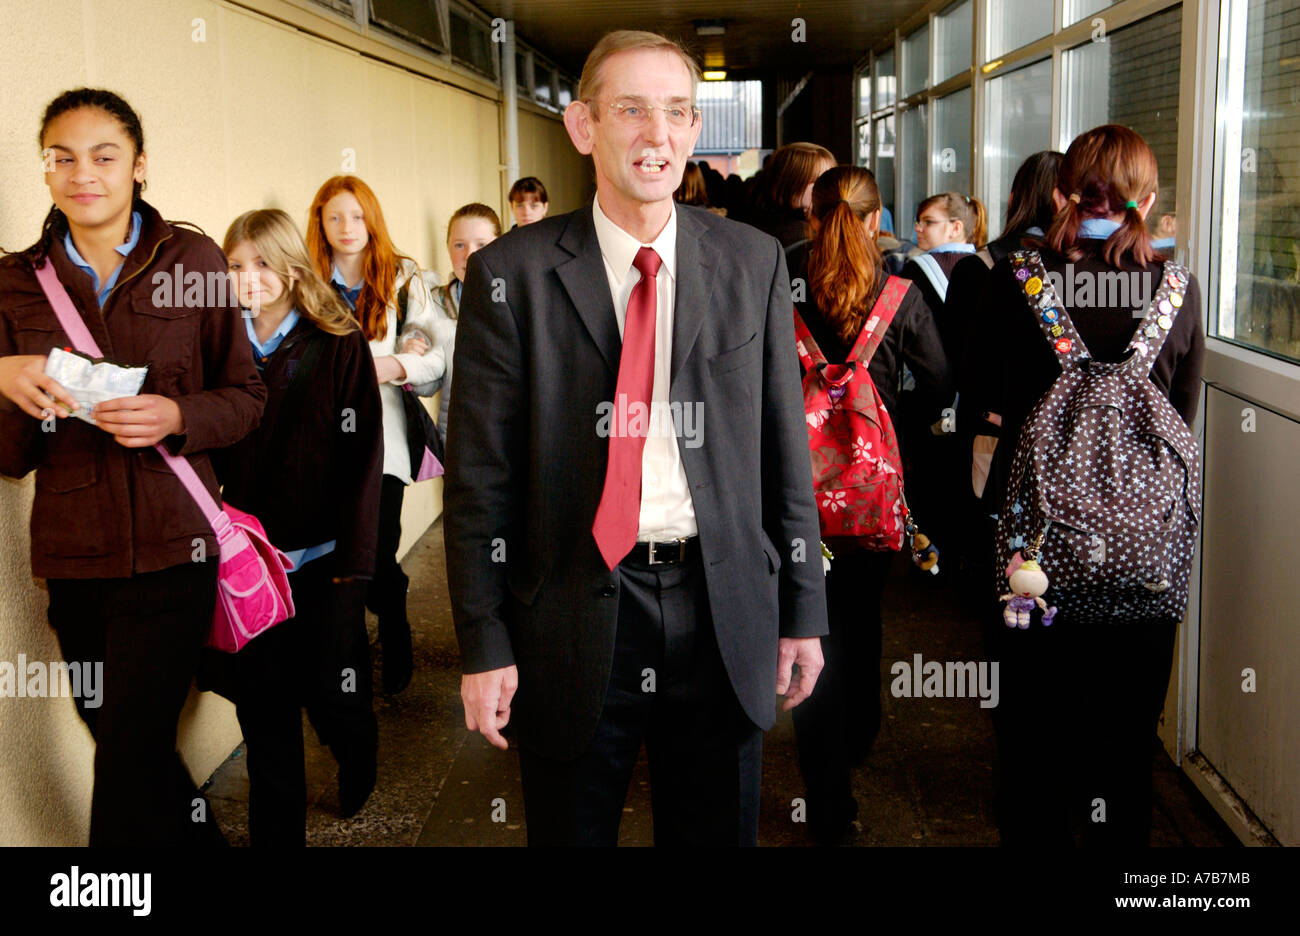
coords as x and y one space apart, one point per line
139 421
389 369
23 380
414 345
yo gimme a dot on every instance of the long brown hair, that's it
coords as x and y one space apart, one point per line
958 207
382 260
793 167
1104 170
275 237
844 263
692 190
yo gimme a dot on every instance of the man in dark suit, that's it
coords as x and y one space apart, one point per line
632 543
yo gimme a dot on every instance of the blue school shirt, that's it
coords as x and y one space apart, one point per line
348 293
1098 228
101 292
952 248
262 351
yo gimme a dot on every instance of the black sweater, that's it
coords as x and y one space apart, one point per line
912 338
1012 366
316 478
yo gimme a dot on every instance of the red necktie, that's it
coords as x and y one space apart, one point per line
619 513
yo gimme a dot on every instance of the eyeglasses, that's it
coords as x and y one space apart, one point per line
635 113
924 223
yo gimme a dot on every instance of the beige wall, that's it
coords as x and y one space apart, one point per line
256 115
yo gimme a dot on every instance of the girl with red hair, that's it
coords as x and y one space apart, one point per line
352 249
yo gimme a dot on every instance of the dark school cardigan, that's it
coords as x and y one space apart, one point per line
314 475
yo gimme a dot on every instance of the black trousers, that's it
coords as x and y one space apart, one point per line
147 631
836 726
1075 725
705 754
318 659
386 596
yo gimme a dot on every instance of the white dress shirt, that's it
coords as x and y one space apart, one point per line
667 511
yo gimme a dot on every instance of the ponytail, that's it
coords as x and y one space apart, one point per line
979 227
844 262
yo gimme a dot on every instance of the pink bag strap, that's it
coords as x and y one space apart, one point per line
84 342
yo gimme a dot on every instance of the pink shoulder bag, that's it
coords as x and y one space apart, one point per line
253 591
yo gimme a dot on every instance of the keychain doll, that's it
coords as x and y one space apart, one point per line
1027 581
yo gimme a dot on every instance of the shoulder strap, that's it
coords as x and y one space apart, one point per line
1047 308
1158 321
402 294
882 315
810 355
934 273
65 311
83 341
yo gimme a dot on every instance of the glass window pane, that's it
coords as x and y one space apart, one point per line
415 22
950 149
471 44
916 61
1017 124
1013 23
1132 79
882 165
862 153
886 81
542 78
863 91
952 34
916 159
566 93
1259 291
1076 10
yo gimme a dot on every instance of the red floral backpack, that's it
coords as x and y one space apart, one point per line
856 467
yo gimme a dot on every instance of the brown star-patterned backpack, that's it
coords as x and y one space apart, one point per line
1104 490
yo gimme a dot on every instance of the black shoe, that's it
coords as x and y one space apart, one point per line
398 662
356 783
835 830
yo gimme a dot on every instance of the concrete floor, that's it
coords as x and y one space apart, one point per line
928 780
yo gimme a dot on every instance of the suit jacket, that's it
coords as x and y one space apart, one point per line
537 353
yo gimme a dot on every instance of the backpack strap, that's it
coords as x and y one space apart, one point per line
934 273
810 355
882 314
1047 307
1158 322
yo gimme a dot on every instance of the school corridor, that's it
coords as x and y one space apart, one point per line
870 150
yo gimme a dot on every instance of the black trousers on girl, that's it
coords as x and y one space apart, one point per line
147 631
319 659
1076 728
836 726
386 596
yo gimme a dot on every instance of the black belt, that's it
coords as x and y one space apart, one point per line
664 552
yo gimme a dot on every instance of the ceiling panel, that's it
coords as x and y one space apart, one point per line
759 33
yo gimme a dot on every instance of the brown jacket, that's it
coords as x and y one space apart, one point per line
102 510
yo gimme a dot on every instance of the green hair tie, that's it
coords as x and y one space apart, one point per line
1131 204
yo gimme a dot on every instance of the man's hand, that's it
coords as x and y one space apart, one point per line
23 380
807 653
487 701
139 421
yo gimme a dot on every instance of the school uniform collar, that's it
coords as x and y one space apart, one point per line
132 240
952 248
1098 228
619 248
262 350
